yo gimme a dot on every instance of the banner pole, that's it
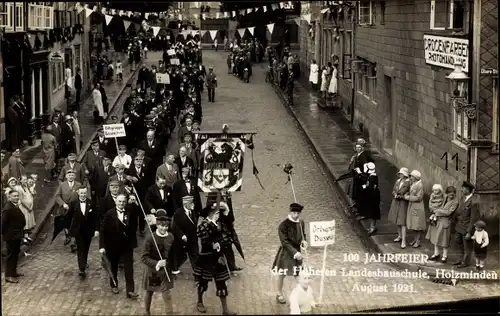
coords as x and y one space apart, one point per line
322 282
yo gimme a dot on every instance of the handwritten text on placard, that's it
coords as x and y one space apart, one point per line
114 130
322 233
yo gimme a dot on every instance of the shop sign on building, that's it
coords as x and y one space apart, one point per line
445 51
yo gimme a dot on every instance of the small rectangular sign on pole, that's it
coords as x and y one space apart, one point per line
114 130
322 233
162 78
175 61
171 52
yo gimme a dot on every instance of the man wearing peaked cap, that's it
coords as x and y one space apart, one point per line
66 193
81 172
289 257
157 264
184 225
187 185
465 216
93 160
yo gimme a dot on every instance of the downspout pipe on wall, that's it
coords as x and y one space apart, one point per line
353 54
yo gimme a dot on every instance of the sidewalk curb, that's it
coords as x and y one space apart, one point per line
366 240
52 201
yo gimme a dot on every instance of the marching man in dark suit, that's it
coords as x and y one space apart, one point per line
158 196
117 241
211 83
186 186
68 138
84 225
93 159
153 149
169 170
13 222
100 178
183 160
105 144
184 226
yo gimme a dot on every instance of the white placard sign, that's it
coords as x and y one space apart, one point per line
162 78
321 233
445 51
175 61
171 52
114 130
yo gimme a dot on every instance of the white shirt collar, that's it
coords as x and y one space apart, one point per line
160 235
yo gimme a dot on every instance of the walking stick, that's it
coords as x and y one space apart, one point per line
150 230
303 246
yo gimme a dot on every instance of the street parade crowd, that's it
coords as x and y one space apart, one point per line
132 186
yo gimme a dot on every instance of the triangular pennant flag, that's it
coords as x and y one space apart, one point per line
264 8
79 9
108 18
274 6
31 40
113 11
213 34
217 15
307 17
234 14
156 30
251 30
282 5
324 10
88 12
241 32
270 27
202 33
242 12
249 11
226 14
297 21
126 24
146 15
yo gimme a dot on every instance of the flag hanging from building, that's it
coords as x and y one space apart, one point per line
213 34
241 32
270 27
251 30
108 18
126 24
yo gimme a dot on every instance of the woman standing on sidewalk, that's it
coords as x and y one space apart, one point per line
97 98
369 203
26 202
439 235
49 144
415 219
16 166
313 75
399 206
325 79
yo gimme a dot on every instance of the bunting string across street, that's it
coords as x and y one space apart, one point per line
133 133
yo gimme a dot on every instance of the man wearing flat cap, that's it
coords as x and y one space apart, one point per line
466 215
121 177
93 159
100 178
70 163
65 194
288 260
186 186
184 225
68 138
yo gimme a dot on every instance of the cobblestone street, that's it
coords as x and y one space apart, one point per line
51 285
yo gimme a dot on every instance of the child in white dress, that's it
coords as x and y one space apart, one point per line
301 299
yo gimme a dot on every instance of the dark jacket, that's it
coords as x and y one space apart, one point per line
153 200
13 222
114 235
83 225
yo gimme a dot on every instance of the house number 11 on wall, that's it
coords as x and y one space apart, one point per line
453 158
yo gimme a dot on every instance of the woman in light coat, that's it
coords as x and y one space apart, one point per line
399 206
26 202
97 97
49 144
439 235
332 88
313 74
325 79
415 217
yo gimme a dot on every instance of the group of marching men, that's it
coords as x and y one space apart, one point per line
132 184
